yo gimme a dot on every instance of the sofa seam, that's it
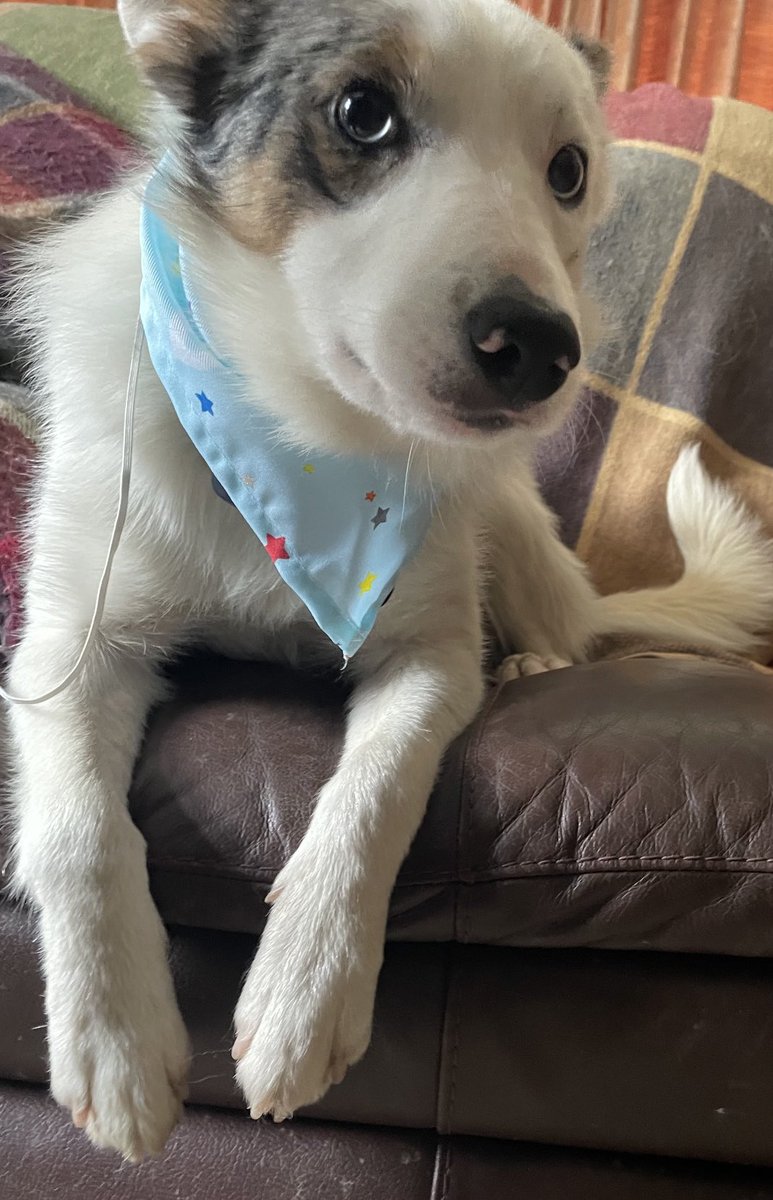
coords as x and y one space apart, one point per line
467 772
449 1155
442 1170
466 789
451 1012
521 872
628 861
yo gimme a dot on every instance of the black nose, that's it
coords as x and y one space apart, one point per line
523 346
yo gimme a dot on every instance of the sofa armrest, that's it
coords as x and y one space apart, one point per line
620 804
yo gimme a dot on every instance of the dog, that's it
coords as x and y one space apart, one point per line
386 206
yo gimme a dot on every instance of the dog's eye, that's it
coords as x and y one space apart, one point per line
567 174
367 115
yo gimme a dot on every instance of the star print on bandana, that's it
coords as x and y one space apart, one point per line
275 547
318 503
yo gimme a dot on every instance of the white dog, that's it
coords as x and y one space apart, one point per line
385 207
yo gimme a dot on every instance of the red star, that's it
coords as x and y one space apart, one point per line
370 496
275 547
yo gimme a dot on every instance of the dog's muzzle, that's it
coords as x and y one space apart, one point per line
522 348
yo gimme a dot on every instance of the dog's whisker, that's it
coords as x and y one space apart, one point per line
405 485
437 510
586 405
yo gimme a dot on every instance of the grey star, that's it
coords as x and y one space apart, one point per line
379 518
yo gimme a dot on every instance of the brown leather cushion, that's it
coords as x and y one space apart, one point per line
225 1157
616 805
219 1155
643 1053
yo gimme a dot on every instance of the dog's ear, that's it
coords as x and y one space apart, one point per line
173 43
598 58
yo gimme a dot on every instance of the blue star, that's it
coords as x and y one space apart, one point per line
204 401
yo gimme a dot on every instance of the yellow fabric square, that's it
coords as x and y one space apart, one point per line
740 145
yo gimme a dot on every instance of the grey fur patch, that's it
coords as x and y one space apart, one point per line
597 56
264 84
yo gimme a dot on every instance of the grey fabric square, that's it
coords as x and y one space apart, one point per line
713 352
631 251
568 463
13 93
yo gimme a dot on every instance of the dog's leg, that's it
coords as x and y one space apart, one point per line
117 1045
519 666
542 604
305 1011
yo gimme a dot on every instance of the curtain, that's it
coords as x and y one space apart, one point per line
706 47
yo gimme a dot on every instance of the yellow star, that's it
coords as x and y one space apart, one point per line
248 480
367 583
174 267
308 468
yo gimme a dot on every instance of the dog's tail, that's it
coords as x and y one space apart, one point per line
724 599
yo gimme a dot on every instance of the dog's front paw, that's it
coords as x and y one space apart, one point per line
118 1056
304 1015
123 1082
518 666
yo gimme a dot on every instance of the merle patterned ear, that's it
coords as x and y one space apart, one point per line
153 22
170 41
598 58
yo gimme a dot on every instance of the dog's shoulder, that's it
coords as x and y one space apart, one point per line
83 269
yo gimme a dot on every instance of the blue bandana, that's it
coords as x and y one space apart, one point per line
337 528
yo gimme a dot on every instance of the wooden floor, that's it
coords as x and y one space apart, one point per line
706 47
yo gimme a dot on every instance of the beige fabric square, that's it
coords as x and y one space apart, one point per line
626 539
739 145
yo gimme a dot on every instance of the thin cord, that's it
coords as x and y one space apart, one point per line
118 526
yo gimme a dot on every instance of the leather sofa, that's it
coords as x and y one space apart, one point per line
577 993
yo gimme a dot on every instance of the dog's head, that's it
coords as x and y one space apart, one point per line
423 175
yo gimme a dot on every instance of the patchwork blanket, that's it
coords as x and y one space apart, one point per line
55 154
683 268
17 456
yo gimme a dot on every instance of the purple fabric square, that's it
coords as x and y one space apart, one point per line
46 86
712 355
568 462
51 156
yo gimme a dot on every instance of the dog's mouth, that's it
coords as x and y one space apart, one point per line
439 416
493 422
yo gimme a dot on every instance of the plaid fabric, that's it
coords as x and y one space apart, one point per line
54 156
83 48
18 451
53 151
683 268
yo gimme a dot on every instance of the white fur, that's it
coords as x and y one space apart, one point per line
724 599
189 569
